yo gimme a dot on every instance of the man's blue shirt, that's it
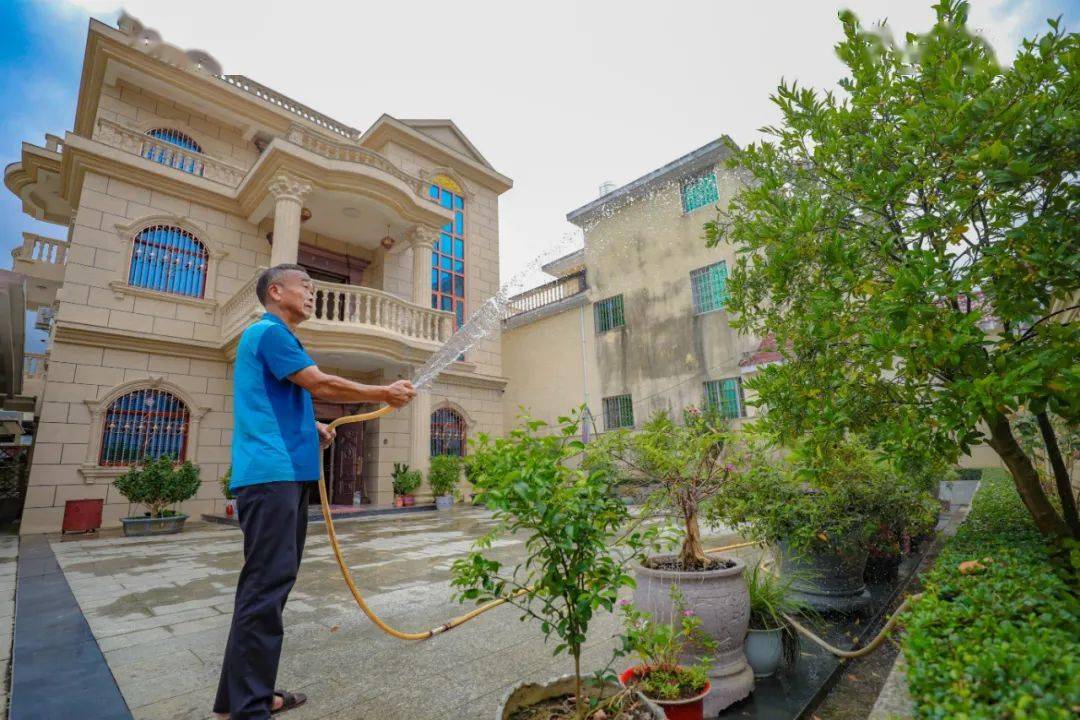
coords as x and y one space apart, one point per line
274 436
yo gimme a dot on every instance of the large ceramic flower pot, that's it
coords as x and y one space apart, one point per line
532 693
720 599
688 709
444 502
139 526
764 649
827 582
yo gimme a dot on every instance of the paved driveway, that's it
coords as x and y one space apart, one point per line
160 610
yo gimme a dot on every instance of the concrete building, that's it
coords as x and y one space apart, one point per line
175 186
636 321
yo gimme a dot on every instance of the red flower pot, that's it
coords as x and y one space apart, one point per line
399 501
410 501
690 709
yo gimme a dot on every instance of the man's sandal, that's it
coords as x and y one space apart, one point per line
288 701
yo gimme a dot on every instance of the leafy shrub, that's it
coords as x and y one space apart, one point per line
406 480
444 473
1003 642
159 483
225 481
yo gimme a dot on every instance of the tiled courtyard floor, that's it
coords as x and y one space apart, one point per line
160 610
9 551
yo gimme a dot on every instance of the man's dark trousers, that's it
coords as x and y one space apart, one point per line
273 517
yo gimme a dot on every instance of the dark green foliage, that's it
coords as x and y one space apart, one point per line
159 483
1003 642
443 473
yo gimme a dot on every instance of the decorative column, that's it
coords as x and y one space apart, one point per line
423 242
289 193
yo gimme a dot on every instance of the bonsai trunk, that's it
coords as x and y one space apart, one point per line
1025 477
692 554
1061 474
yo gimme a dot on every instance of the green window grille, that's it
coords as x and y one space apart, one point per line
618 412
609 314
708 287
727 396
699 191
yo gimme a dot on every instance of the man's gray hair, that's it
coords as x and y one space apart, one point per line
271 276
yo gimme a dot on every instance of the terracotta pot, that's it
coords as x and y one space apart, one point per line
689 709
720 599
399 501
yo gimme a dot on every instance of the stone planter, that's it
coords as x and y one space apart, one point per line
140 526
444 502
764 650
720 599
882 567
532 693
827 582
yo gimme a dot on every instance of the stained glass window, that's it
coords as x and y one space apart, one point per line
447 432
448 256
699 191
727 396
708 288
179 159
144 424
618 412
169 259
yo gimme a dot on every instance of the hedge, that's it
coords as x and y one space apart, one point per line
1004 641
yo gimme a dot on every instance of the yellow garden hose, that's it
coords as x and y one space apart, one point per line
461 619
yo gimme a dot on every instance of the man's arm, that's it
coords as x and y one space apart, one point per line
333 388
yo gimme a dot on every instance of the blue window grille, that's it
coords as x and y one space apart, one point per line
168 259
144 424
448 257
176 150
727 396
699 191
447 433
708 288
618 412
609 314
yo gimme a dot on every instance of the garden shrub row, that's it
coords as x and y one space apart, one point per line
1003 641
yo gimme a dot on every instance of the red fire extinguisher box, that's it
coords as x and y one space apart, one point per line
82 515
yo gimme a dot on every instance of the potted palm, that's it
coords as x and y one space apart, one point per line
690 465
771 639
443 477
678 689
405 481
157 484
579 540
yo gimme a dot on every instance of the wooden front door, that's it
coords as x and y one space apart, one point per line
347 462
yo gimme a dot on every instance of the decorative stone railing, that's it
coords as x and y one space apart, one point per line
350 307
546 294
41 249
34 365
273 96
159 151
333 150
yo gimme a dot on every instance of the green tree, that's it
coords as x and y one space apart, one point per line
910 241
159 483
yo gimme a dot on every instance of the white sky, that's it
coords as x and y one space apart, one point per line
558 95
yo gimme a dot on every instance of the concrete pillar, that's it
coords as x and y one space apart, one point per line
423 242
420 433
289 193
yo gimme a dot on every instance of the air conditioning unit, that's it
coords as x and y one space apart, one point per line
44 319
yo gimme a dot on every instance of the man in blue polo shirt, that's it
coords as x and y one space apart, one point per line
275 460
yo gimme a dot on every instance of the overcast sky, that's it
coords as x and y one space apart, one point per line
558 95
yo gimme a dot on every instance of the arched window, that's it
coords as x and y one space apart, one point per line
185 157
169 259
142 424
448 257
447 432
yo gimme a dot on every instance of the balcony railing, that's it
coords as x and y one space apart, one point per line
165 153
34 365
546 294
333 150
41 249
349 307
273 96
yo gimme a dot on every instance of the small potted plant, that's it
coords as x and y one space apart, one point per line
579 539
230 499
678 689
157 484
771 639
443 478
405 482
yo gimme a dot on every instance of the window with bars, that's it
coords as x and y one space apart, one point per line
708 288
169 259
182 159
618 412
699 191
144 424
448 257
609 314
726 395
447 433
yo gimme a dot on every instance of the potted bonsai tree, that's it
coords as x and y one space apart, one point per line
570 519
157 484
678 689
690 465
230 499
443 477
771 639
405 481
